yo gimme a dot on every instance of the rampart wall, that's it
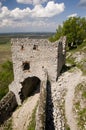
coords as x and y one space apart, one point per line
7 105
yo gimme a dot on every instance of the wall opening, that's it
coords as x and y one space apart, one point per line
35 47
26 65
22 47
30 86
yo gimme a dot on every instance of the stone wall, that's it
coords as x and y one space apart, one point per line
41 110
7 106
34 58
31 57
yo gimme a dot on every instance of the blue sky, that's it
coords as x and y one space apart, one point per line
38 15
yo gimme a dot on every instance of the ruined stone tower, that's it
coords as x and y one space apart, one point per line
32 60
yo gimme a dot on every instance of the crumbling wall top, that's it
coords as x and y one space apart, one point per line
29 41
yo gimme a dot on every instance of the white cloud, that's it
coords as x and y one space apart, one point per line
82 3
20 14
72 15
32 18
4 12
34 2
50 10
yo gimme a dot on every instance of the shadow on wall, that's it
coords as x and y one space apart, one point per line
30 86
66 68
49 109
7 106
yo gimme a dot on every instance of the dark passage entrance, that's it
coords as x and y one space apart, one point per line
30 85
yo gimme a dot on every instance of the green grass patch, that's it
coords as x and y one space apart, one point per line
70 60
7 125
6 77
84 94
4 39
80 105
82 64
6 67
32 124
5 53
79 48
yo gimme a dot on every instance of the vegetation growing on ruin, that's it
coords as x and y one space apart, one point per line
80 105
77 57
32 123
7 125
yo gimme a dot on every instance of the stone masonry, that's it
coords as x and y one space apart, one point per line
32 58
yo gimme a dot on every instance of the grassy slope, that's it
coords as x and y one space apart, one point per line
6 72
81 64
5 52
79 107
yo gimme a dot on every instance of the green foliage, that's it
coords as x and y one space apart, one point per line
4 39
84 94
33 121
8 125
74 29
57 35
6 77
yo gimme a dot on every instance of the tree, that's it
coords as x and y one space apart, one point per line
75 30
57 35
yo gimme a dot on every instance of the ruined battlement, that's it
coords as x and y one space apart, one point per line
29 41
32 59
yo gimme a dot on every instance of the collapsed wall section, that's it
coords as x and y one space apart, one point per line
7 105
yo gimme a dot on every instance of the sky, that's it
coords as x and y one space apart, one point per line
38 15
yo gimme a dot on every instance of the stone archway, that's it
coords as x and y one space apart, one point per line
29 86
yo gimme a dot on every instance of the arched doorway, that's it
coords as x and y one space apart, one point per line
29 86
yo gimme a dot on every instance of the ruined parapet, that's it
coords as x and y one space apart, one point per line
31 58
41 110
7 105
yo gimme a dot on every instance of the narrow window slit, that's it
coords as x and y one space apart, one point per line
26 66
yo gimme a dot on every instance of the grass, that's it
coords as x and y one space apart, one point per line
6 77
79 48
5 53
32 123
81 64
6 68
7 125
80 105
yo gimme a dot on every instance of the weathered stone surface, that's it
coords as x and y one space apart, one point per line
44 60
7 105
32 57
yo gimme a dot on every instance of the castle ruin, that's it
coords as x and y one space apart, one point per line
33 59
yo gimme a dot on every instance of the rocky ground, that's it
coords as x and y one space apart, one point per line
63 99
22 116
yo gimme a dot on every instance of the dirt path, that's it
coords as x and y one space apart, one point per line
73 80
21 117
